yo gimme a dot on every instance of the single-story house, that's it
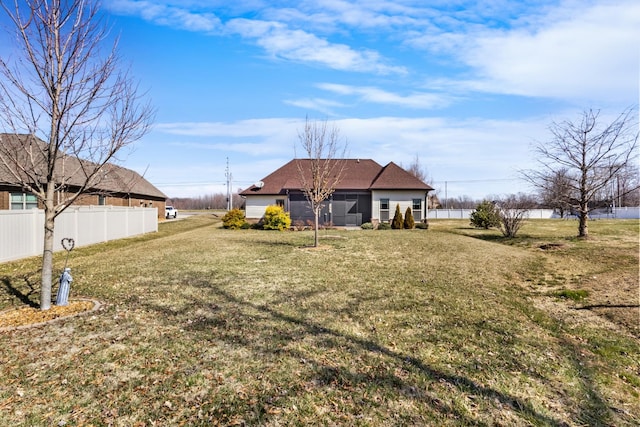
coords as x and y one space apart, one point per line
117 187
366 192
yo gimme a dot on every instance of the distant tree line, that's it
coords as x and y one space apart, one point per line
210 201
623 190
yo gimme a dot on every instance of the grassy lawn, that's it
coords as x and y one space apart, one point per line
450 326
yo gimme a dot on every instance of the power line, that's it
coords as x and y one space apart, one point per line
473 180
185 184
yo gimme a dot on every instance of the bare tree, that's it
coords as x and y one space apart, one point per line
461 202
592 155
513 211
323 167
626 186
558 192
73 105
209 201
418 170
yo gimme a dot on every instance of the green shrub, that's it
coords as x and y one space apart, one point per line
384 226
397 222
234 219
275 218
573 294
485 216
409 223
367 226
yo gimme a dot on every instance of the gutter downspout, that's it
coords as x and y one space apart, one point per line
426 207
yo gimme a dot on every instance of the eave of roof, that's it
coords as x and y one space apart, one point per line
393 177
358 175
115 179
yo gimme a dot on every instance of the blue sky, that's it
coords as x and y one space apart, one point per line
467 86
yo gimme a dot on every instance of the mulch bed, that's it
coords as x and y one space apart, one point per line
25 317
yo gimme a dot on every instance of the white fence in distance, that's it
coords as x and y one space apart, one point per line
615 213
466 213
22 231
632 212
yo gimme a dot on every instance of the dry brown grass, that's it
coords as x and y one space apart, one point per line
450 326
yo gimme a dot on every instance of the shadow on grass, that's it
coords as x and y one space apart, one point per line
233 318
277 240
25 298
521 239
593 306
594 410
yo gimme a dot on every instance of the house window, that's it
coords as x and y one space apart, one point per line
384 210
23 201
102 200
280 202
416 207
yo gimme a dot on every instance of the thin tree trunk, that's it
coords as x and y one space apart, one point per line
583 230
47 261
315 237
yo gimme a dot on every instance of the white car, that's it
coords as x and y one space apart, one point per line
170 212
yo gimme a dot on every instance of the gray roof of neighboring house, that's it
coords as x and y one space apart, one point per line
358 174
115 179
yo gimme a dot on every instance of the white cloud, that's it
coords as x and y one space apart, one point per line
238 129
324 106
380 96
282 42
331 15
278 39
166 15
254 138
591 53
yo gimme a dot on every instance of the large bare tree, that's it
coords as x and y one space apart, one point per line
69 100
323 167
416 169
558 192
589 154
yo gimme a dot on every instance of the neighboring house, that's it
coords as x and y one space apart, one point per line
117 187
367 192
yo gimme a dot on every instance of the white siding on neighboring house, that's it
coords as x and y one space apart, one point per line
256 205
403 198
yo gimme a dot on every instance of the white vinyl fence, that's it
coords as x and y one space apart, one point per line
619 213
22 231
466 213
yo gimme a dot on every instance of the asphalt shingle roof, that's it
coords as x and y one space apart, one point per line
358 174
115 179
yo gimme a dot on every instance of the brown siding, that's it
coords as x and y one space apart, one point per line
86 200
93 200
4 200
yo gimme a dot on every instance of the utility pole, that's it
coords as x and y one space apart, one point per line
229 177
446 196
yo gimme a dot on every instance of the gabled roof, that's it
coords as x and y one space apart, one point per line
114 179
123 180
393 177
358 174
